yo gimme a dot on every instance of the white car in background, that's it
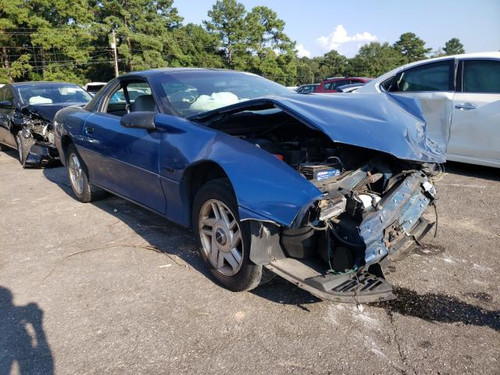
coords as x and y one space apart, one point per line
93 87
460 100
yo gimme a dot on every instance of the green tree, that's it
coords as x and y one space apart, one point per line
49 38
227 21
374 59
14 40
254 41
411 48
453 47
198 48
332 64
307 69
63 38
143 30
272 53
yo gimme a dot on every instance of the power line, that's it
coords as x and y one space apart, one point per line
36 47
39 65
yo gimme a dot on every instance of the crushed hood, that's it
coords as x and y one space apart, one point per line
47 111
374 121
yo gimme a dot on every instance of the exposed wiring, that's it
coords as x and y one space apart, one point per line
329 245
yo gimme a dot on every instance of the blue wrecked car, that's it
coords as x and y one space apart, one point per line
320 190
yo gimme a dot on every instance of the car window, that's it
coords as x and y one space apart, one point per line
429 77
334 84
327 86
130 96
481 76
134 90
8 95
192 92
51 94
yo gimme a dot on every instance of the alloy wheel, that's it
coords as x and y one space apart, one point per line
220 236
75 173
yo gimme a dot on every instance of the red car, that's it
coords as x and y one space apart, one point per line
330 84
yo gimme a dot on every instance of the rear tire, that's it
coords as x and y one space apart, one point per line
78 176
224 241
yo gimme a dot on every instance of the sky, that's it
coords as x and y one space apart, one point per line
318 26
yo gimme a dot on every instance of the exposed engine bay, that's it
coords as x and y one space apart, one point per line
36 126
36 138
374 207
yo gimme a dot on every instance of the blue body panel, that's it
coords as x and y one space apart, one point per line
149 167
373 121
266 188
123 160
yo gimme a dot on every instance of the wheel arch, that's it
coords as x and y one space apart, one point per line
65 142
198 175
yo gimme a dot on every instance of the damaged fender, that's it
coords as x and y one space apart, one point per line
267 189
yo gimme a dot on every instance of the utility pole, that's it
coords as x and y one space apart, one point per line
115 54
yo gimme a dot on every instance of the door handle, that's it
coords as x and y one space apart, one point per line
89 130
465 106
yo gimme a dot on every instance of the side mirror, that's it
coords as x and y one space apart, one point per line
5 104
139 120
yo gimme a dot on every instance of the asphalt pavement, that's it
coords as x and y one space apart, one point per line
110 288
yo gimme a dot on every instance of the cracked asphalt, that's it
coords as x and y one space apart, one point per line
110 288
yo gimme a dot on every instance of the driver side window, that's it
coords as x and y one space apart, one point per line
131 97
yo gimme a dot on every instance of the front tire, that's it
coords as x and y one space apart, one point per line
78 176
23 146
224 241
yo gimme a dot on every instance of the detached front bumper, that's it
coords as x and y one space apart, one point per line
41 154
398 218
395 227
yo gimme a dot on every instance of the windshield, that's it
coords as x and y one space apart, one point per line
191 92
52 94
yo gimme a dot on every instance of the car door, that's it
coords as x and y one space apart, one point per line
121 159
475 126
433 84
6 113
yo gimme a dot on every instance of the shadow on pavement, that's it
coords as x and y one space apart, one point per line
171 239
281 291
162 235
22 338
440 308
469 170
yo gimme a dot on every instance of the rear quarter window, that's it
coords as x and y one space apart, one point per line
481 76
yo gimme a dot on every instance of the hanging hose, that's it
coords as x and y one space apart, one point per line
437 217
345 242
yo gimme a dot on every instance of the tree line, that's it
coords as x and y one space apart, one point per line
75 41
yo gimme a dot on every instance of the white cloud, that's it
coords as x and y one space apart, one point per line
339 37
302 52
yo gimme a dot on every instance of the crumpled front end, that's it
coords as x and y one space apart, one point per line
398 218
37 139
332 188
366 217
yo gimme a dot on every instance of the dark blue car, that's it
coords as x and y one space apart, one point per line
320 190
27 110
